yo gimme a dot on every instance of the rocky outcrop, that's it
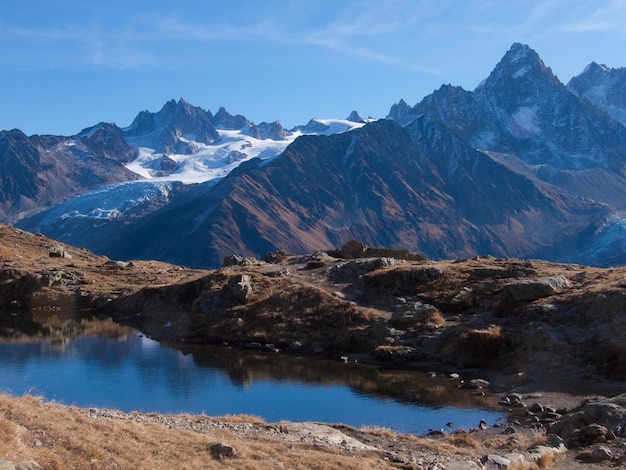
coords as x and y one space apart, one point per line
240 287
598 420
533 289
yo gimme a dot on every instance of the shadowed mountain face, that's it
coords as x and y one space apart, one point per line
39 171
603 86
522 166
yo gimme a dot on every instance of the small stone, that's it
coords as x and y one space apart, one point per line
601 453
594 432
554 441
476 384
495 461
483 424
536 408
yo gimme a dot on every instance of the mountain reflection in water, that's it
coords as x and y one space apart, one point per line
133 373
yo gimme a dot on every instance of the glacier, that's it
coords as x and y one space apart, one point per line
207 165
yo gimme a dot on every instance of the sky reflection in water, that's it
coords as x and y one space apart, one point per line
137 374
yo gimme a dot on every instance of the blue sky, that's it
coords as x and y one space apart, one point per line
69 64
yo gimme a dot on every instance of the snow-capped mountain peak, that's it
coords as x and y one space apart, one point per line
603 86
184 143
523 65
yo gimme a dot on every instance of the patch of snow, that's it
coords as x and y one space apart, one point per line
617 113
521 72
597 94
349 150
334 126
485 140
526 121
610 238
108 202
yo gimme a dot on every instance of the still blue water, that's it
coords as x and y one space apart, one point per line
138 374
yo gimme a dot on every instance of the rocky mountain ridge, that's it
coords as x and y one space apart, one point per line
521 166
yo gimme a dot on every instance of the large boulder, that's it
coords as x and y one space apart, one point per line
240 286
415 313
595 421
533 289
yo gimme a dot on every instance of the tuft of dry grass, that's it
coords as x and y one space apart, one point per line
464 440
546 460
60 437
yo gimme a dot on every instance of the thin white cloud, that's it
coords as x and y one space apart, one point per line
599 17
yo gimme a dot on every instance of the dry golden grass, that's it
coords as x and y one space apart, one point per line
545 461
5 252
58 437
465 440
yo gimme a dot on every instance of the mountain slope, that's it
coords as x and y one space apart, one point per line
372 184
603 86
39 171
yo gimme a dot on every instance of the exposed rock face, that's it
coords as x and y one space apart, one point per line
603 86
170 129
272 130
536 288
241 286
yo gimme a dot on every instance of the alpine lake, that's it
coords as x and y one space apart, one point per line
75 359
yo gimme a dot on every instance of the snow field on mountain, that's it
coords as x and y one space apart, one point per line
214 161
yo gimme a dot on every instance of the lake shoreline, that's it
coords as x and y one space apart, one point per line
549 332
